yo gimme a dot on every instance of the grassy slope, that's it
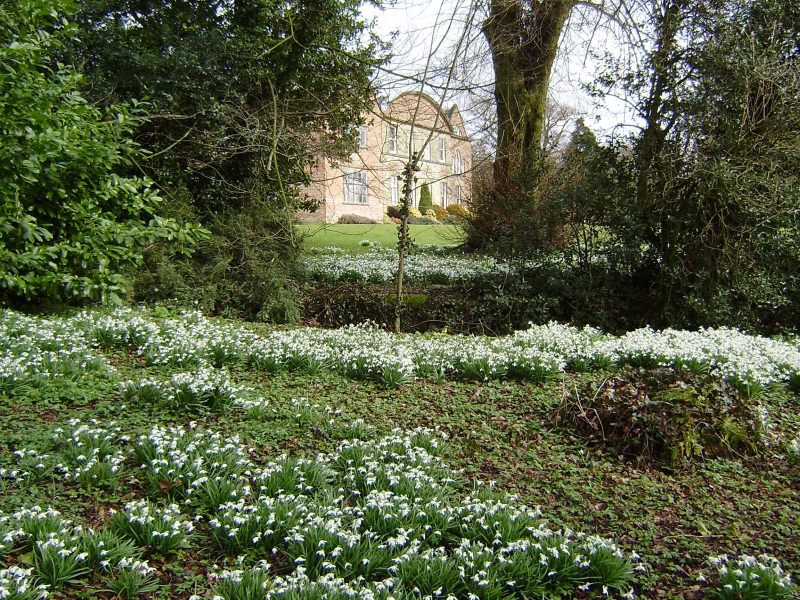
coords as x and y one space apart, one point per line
347 237
500 431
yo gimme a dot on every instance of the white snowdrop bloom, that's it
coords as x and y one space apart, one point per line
15 580
380 265
747 570
368 351
794 448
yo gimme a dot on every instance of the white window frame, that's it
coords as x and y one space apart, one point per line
457 130
443 193
394 190
428 150
392 139
458 164
362 137
355 188
458 194
442 150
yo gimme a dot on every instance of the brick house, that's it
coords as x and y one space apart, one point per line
371 179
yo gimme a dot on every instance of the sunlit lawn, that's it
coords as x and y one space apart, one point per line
348 237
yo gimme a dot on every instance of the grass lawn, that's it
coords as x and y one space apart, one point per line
501 431
347 237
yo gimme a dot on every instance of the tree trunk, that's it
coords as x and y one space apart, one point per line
524 43
653 159
403 239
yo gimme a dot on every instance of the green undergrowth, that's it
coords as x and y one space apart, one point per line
674 518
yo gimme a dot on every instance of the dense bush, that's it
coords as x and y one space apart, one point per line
440 212
244 270
244 98
393 211
602 239
351 219
664 416
698 211
414 215
70 223
718 192
476 308
425 199
457 210
607 298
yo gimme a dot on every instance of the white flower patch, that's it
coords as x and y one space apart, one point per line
738 357
380 266
365 520
31 465
382 516
751 577
204 387
193 464
297 584
200 390
186 340
92 454
10 534
543 350
191 338
141 567
162 528
59 547
55 542
33 349
366 351
36 524
16 582
121 329
581 348
263 522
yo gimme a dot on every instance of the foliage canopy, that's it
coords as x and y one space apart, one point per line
70 223
697 213
245 95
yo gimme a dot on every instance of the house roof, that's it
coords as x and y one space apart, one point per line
421 109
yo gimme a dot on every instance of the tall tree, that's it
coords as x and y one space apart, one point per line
716 197
523 37
236 85
245 95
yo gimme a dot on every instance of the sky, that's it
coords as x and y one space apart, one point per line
419 29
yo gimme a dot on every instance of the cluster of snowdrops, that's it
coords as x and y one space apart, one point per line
375 519
34 347
379 265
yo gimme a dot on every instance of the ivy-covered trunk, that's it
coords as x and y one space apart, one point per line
403 239
523 39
